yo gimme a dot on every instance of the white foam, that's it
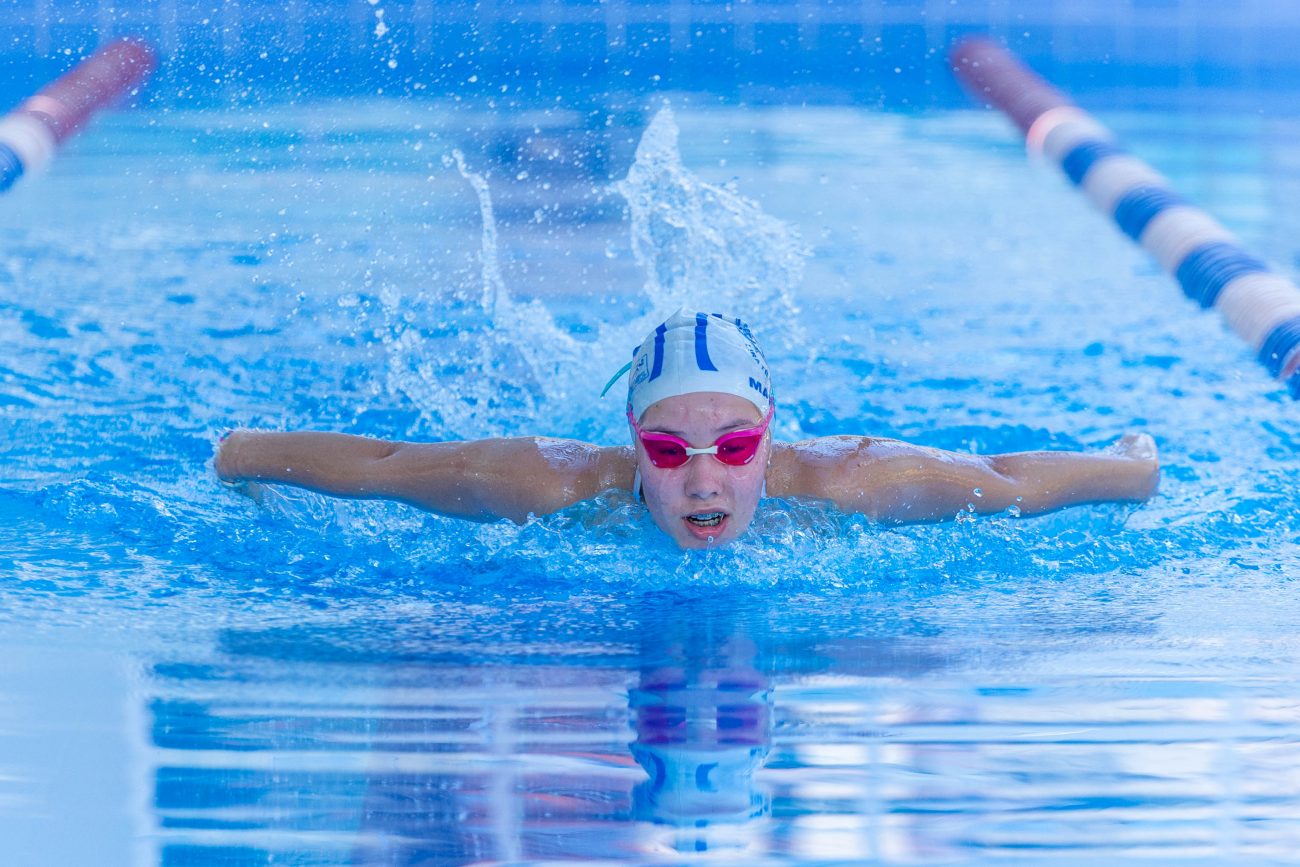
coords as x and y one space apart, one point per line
564 453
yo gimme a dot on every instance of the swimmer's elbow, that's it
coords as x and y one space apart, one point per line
487 480
381 469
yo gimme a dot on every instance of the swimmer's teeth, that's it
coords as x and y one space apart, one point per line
706 519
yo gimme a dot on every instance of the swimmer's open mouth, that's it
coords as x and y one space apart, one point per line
706 519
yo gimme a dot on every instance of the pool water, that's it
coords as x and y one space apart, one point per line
191 678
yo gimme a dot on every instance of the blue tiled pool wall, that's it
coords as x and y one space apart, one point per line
885 52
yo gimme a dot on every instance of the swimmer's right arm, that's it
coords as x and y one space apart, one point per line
482 480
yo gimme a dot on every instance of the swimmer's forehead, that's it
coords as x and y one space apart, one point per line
700 411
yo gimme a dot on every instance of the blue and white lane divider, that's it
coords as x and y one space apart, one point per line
1211 266
32 132
26 146
1213 269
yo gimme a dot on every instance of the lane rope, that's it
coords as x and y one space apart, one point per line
1258 304
32 132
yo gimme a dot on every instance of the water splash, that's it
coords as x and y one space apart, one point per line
494 286
485 369
493 365
706 246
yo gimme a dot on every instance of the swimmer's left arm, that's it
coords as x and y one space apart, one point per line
897 482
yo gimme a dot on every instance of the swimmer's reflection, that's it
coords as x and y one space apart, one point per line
702 715
393 752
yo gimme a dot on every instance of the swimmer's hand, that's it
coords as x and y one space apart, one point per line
1140 448
253 490
224 464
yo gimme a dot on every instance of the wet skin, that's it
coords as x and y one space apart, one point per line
686 501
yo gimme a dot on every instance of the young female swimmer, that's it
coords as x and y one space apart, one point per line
699 408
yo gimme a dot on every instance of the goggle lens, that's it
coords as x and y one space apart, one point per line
665 452
735 449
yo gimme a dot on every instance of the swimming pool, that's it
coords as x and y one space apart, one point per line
192 679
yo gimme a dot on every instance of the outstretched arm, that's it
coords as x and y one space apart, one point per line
894 481
483 480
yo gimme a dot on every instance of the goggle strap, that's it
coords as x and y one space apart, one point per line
615 378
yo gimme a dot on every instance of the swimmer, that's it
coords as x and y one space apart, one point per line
699 407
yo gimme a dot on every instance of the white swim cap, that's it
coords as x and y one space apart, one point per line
695 352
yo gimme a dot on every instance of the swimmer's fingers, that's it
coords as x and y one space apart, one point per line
1140 448
1136 446
253 490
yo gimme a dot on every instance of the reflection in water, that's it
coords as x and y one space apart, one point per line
373 763
297 740
682 726
703 726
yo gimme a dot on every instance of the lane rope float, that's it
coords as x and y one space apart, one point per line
32 132
1256 302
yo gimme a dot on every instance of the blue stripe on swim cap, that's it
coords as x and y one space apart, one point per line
702 360
1140 205
1077 162
657 366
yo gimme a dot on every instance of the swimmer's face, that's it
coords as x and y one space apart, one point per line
704 501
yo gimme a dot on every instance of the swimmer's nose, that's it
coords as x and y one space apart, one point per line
704 477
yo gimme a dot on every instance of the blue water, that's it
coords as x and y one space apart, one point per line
191 678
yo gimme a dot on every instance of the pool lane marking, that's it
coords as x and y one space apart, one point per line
30 134
26 147
1209 263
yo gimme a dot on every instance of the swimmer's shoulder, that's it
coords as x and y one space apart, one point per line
820 467
615 467
580 468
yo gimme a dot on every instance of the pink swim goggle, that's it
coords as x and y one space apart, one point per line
734 449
